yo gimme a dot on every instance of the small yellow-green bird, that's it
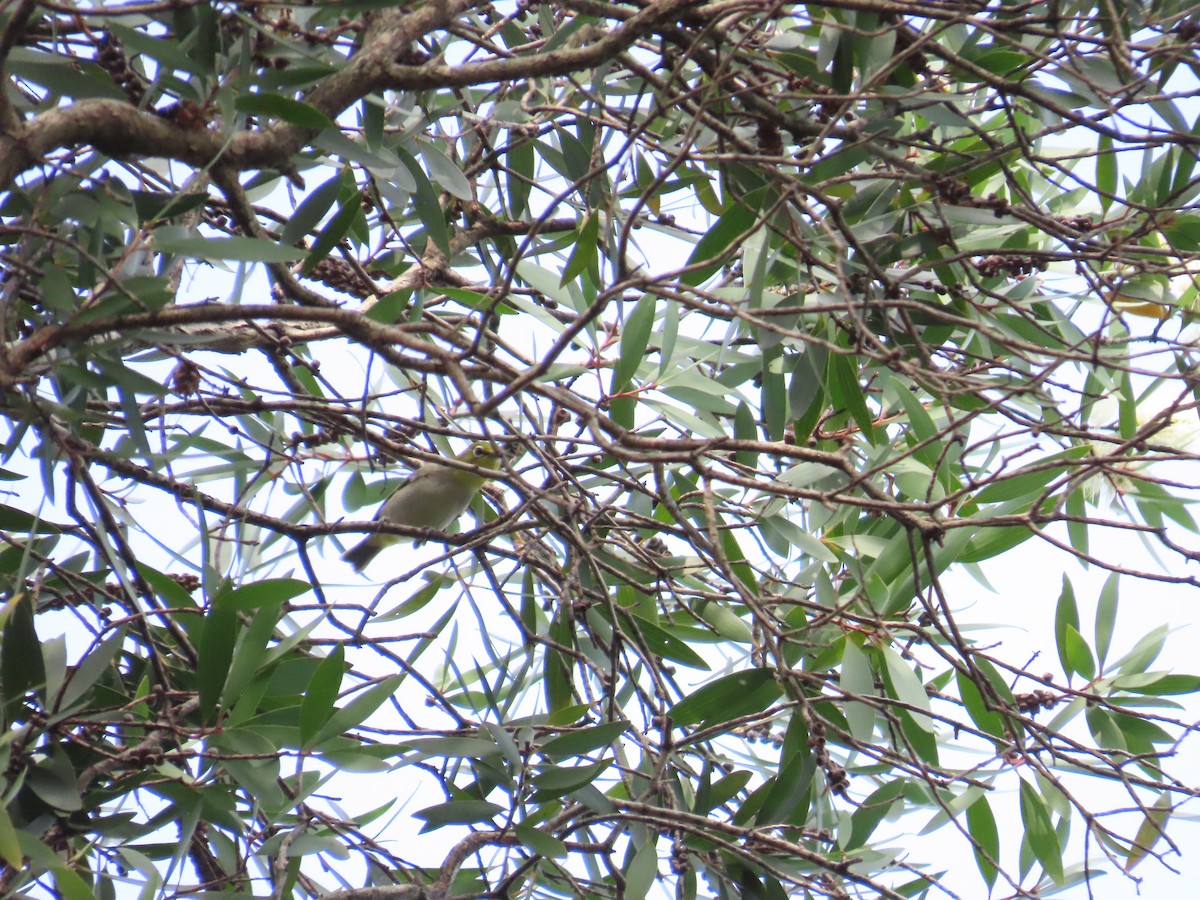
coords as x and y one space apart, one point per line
431 497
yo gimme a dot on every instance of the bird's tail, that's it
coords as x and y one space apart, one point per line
362 553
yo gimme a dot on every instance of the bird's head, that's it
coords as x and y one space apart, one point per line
484 454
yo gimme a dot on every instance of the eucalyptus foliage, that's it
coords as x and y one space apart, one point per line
788 318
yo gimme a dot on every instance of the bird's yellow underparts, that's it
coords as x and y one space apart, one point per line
433 497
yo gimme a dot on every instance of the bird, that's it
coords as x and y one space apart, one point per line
433 496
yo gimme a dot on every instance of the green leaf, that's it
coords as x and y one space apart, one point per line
270 592
545 281
992 542
585 253
316 707
641 873
294 112
91 668
1144 653
425 200
584 740
908 688
152 206
540 842
555 781
420 598
842 74
724 621
53 781
216 651
728 697
1127 406
314 207
18 520
845 392
789 797
985 719
1079 654
858 680
10 846
70 886
1151 831
985 839
871 812
720 792
662 643
520 176
576 158
774 396
445 173
635 336
250 654
349 213
742 570
1158 684
557 681
1106 617
923 742
1029 482
1104 729
1106 172
1077 527
450 747
64 75
719 241
1039 832
168 53
1066 616
921 425
457 812
238 249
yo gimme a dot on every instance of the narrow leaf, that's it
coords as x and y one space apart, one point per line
739 694
1106 617
871 812
10 847
1040 833
294 112
1066 616
1079 654
642 872
317 706
908 688
425 200
540 842
985 839
457 812
1152 829
237 249
726 233
846 392
857 679
635 336
216 651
